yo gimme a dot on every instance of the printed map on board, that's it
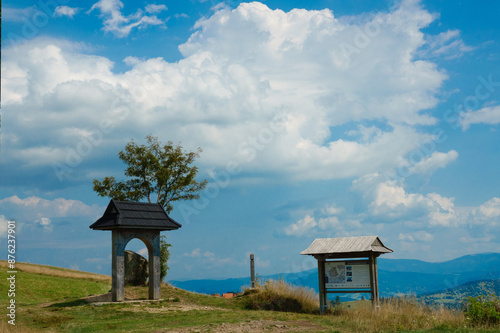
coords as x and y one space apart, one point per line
336 273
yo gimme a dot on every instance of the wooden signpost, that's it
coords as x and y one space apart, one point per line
347 265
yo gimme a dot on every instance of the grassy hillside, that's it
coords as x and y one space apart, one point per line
50 299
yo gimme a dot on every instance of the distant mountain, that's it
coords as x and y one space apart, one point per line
396 276
483 262
454 297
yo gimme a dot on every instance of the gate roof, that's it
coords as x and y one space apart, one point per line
135 215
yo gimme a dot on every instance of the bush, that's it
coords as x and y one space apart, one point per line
482 310
281 296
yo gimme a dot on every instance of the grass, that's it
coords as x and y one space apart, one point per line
278 295
401 314
53 303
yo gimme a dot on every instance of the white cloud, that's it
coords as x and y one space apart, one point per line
46 224
302 227
65 11
447 44
332 210
194 253
330 222
330 219
417 236
433 162
488 213
41 210
143 252
3 225
388 200
240 69
153 8
487 115
209 254
120 25
208 259
18 14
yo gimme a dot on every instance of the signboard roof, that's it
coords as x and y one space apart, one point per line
346 245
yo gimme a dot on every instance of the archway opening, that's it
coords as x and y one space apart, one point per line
137 273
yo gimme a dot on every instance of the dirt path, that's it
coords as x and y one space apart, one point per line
254 326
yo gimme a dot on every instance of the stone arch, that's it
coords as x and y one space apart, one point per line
120 239
128 220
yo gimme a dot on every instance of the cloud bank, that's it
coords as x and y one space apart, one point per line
351 95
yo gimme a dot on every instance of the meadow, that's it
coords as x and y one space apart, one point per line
51 299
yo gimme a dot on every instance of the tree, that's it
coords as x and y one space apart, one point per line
154 169
164 255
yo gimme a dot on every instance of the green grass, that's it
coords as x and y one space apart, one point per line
38 288
49 303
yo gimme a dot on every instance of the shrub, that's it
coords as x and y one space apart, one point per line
278 295
482 310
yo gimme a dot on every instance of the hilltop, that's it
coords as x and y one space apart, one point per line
52 299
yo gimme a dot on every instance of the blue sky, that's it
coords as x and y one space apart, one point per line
316 119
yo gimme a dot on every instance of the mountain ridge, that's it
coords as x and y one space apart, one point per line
396 276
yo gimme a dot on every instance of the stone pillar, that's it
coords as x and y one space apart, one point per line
117 267
154 266
119 241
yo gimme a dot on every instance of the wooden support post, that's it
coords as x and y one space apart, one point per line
322 289
372 262
252 271
375 285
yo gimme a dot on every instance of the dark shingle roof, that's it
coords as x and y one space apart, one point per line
126 214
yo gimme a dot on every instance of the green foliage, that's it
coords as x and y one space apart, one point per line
164 255
483 310
164 170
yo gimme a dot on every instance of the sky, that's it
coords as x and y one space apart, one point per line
317 119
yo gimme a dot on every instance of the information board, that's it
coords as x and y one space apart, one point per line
347 274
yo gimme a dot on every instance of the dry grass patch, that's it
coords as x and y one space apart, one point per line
278 295
399 314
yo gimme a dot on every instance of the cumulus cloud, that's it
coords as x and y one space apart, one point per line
242 69
488 115
120 25
330 219
488 213
388 200
302 227
195 253
65 11
46 224
433 162
41 210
